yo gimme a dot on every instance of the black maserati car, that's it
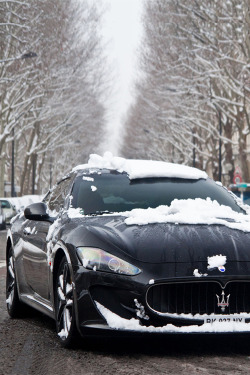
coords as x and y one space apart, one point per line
132 246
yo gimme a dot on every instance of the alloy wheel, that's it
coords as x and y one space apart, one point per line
14 306
64 305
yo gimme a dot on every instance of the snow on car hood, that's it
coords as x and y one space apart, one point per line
142 168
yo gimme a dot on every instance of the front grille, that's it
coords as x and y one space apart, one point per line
199 298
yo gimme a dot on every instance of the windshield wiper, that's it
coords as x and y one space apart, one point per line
99 213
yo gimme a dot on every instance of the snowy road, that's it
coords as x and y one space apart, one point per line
29 346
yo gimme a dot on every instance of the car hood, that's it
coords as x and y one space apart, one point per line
160 243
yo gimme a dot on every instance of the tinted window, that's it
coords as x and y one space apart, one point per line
114 192
56 198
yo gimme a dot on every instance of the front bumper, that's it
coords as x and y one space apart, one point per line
116 322
117 304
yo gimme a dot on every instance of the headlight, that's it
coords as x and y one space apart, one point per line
99 260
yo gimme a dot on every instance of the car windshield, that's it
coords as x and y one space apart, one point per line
115 192
5 204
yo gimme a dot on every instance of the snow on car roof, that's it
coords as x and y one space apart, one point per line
142 168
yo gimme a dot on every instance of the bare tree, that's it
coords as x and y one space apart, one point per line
195 61
54 102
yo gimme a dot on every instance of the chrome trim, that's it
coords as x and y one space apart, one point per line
37 300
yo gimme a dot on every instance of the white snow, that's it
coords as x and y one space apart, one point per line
93 188
216 261
21 202
8 300
196 273
142 168
85 262
218 183
28 230
116 322
190 211
183 211
62 333
140 310
86 178
52 230
151 281
74 213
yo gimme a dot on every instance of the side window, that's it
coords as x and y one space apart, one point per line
56 198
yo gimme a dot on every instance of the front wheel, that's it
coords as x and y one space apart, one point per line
14 306
64 306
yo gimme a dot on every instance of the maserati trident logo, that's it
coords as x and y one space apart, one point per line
223 303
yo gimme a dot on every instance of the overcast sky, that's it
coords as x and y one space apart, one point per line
122 28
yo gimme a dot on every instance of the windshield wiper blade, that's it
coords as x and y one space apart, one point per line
100 213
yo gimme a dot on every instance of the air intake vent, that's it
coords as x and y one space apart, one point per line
199 298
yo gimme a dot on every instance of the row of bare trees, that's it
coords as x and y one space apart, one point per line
52 82
193 96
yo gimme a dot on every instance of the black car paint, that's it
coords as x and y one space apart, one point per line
164 252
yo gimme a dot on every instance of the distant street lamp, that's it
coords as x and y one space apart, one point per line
220 144
13 192
50 171
34 157
26 55
218 111
193 141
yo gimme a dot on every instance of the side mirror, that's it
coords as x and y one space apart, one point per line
37 211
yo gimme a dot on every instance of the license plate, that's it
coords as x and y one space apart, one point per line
225 319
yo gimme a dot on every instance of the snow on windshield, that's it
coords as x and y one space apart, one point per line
142 168
189 211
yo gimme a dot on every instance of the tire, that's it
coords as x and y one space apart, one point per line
3 226
64 306
15 307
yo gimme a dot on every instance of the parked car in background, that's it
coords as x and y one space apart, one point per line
13 205
19 203
8 209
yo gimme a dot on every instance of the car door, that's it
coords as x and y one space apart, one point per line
35 251
34 256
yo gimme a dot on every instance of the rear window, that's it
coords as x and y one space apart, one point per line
115 192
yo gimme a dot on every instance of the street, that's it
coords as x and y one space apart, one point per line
30 346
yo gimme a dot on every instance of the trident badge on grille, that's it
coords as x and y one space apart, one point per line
223 304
